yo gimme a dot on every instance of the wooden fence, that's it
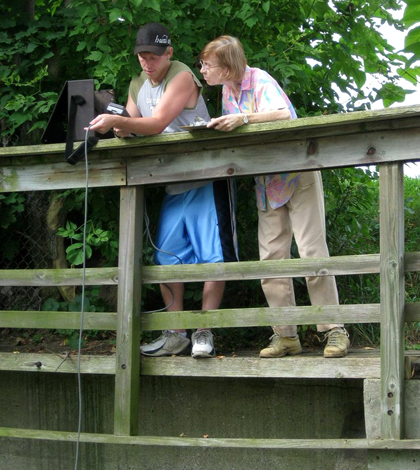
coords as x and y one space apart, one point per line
386 137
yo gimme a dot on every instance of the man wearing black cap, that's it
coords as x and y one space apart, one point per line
163 97
197 221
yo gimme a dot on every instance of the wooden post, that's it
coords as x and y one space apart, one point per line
128 319
392 299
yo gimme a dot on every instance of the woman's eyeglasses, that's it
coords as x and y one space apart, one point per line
205 66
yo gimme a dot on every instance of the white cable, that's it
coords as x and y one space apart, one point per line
82 308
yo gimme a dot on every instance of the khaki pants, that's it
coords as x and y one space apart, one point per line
304 218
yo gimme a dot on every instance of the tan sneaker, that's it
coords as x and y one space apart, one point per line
281 346
337 342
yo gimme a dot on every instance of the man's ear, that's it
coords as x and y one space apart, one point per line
170 51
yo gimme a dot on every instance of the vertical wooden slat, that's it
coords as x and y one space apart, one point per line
128 318
392 299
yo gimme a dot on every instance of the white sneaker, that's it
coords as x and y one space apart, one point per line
168 344
202 344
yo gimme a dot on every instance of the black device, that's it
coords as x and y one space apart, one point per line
115 108
77 104
79 153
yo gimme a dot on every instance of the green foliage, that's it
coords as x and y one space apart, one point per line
352 210
312 47
11 205
95 238
411 19
92 303
102 226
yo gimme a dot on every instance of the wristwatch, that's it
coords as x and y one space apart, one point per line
245 119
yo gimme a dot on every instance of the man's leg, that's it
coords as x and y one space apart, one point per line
212 294
211 229
173 248
202 339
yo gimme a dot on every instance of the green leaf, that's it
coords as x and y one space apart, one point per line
411 13
266 6
76 304
50 305
31 47
412 42
115 14
95 56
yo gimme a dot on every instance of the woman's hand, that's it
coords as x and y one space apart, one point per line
227 123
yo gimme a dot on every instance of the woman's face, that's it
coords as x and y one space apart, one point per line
212 72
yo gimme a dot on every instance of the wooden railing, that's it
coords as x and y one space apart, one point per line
387 137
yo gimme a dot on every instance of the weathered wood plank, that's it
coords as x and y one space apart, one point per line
128 318
373 120
391 195
265 158
309 444
338 265
58 320
58 277
334 266
45 175
229 318
226 318
303 366
35 362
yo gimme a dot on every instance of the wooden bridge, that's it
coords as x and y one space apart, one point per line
386 137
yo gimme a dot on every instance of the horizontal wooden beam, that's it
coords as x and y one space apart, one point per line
336 265
243 270
58 277
297 154
211 442
224 318
347 139
367 121
263 316
58 320
49 174
63 362
358 364
353 366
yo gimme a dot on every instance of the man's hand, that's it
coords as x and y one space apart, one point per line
103 123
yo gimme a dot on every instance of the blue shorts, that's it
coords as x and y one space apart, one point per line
198 226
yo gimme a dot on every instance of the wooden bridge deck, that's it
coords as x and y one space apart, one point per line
358 364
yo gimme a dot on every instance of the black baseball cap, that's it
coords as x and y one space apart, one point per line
152 37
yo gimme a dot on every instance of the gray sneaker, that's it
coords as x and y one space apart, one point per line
202 344
168 344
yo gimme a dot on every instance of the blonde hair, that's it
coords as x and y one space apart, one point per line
229 53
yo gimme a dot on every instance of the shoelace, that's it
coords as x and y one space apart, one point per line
166 334
202 336
273 339
334 335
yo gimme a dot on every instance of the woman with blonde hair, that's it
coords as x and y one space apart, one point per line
289 204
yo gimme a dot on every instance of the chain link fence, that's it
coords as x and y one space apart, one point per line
31 240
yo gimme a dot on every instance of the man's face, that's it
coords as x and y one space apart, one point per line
154 66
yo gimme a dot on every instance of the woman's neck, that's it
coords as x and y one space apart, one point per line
236 89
